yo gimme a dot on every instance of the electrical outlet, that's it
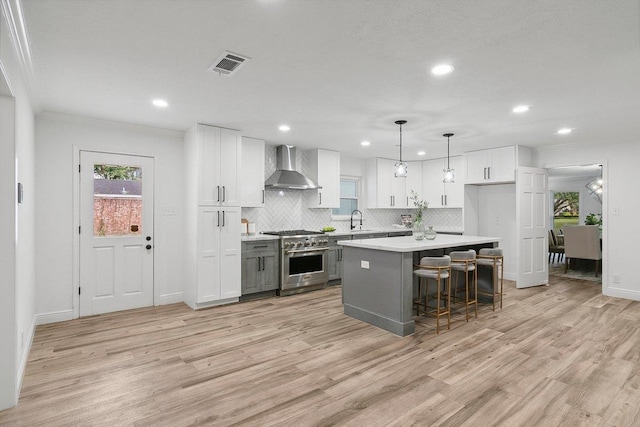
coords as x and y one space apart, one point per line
364 264
616 278
169 211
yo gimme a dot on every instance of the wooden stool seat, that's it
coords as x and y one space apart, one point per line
493 258
437 269
465 262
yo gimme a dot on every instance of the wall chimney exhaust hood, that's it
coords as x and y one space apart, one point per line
286 177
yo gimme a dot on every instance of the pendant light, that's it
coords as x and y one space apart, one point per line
448 173
401 167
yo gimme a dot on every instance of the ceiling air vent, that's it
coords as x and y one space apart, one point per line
228 63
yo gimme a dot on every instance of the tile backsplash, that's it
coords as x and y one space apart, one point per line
286 210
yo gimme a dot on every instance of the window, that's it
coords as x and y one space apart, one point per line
566 205
349 190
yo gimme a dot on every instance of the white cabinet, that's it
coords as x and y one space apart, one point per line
252 173
491 166
218 254
323 166
384 190
216 164
439 194
413 181
212 216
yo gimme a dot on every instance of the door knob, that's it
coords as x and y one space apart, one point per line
148 246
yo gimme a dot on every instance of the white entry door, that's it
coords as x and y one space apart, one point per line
532 227
116 232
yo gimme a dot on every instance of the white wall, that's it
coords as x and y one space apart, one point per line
497 218
17 309
57 139
620 230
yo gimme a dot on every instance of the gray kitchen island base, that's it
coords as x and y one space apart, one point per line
378 283
381 294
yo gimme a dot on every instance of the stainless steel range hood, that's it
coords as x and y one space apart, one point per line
286 177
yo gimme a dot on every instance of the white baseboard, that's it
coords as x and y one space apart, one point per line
24 356
621 293
171 298
53 317
510 276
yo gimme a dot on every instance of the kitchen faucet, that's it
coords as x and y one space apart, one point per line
353 226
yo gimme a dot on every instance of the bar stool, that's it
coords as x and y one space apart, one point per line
438 269
465 261
493 258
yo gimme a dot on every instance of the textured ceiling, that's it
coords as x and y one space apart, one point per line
339 72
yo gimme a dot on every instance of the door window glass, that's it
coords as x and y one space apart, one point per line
117 200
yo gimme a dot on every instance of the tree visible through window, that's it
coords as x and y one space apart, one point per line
566 205
348 196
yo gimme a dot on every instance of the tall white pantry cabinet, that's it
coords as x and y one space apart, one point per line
212 240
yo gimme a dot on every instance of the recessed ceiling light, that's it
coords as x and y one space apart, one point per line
160 103
564 131
365 143
442 69
284 128
421 153
521 109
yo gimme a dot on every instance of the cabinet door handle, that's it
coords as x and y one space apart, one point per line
262 196
218 218
446 202
259 268
489 172
262 263
218 190
223 218
224 193
260 246
320 202
407 200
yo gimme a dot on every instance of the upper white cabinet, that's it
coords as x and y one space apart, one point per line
413 181
213 155
252 182
384 190
323 166
437 193
496 165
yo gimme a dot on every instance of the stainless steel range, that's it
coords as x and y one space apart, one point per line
303 260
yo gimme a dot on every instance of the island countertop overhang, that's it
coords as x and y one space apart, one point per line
410 244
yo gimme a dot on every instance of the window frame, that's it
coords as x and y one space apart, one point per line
358 198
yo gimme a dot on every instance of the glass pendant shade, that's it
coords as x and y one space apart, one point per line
448 174
401 168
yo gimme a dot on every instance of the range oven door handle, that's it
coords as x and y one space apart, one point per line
302 251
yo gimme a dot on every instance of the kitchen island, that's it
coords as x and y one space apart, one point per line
378 283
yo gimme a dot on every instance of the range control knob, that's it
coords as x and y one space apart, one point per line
307 243
314 243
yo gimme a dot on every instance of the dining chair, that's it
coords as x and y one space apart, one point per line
582 242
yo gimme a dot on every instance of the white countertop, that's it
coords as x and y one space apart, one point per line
354 233
410 244
257 236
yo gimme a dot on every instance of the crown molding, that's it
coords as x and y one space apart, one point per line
14 18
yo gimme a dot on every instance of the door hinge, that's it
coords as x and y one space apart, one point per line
79 229
79 290
78 168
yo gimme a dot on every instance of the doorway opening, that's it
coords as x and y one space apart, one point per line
576 198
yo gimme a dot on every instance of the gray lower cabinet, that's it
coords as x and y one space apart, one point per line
260 266
335 258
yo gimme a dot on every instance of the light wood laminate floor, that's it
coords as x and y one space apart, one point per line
562 355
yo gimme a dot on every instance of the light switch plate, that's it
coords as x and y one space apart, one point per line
364 264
